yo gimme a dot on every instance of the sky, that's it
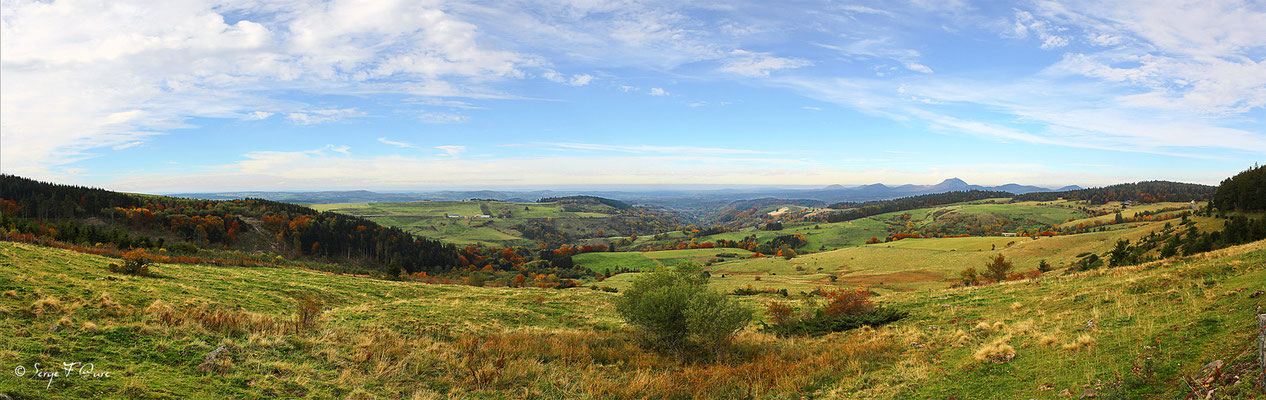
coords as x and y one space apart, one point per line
180 96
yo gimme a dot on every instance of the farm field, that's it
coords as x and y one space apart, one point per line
373 338
650 260
429 218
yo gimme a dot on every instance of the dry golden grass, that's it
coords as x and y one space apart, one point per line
997 351
46 305
1082 341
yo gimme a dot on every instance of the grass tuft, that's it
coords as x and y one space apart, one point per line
997 351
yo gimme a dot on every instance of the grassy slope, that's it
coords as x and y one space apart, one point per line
400 339
150 359
915 263
856 232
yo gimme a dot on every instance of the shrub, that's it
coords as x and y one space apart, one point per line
308 312
997 268
135 262
969 277
848 302
676 311
819 323
780 313
183 247
746 291
844 310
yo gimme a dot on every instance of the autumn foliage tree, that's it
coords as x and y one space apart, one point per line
998 268
135 262
848 302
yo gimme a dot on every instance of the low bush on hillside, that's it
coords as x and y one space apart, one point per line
135 262
675 311
750 290
844 310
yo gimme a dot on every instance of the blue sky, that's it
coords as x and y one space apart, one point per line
418 95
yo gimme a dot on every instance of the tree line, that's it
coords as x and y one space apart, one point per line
853 210
1140 192
1246 191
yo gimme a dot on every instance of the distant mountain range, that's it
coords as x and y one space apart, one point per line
879 191
679 199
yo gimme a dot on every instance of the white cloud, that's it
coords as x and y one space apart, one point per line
125 70
880 48
321 116
1203 56
451 151
1026 23
575 80
580 80
345 150
442 118
753 64
651 149
258 115
657 92
916 67
127 145
397 144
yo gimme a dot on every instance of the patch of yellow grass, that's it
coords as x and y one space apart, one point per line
997 351
1081 342
90 326
1022 327
162 311
1047 340
44 305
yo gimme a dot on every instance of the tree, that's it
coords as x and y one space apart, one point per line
848 302
997 268
788 253
676 311
1120 254
1044 266
135 262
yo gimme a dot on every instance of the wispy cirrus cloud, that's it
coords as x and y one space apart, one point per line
753 64
321 116
451 151
384 140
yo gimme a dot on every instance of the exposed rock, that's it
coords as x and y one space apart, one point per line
215 361
215 354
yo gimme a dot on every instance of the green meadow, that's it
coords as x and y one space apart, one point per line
196 331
